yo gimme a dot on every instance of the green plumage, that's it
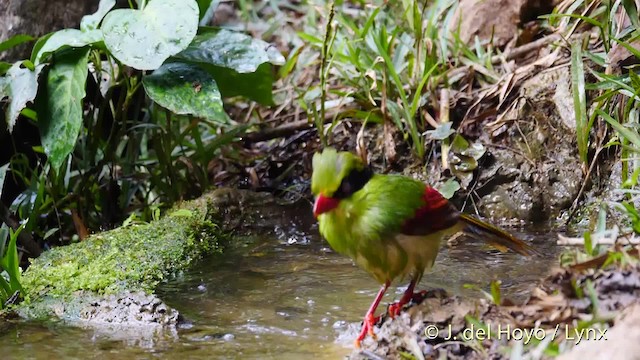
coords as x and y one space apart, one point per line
390 225
366 226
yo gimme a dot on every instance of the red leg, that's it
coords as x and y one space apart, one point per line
370 319
395 308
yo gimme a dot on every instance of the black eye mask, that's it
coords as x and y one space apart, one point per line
353 182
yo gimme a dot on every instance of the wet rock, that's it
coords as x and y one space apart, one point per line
435 321
537 174
247 212
515 200
129 308
441 325
498 20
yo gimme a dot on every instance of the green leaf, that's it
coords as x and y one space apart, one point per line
624 131
633 215
627 46
38 45
4 88
12 261
186 89
632 12
91 22
144 39
449 188
60 114
239 63
257 86
4 67
21 86
4 237
476 151
459 143
579 100
66 38
443 131
207 10
232 50
3 173
6 290
15 41
635 81
588 243
496 295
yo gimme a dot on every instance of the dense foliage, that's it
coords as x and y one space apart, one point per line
129 113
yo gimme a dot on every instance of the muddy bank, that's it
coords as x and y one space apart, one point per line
566 309
526 167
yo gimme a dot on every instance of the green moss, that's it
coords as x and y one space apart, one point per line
135 257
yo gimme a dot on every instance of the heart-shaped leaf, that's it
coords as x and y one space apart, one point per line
91 22
239 63
64 39
187 90
21 86
144 39
449 188
257 86
60 106
442 132
232 50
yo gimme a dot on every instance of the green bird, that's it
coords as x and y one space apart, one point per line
390 225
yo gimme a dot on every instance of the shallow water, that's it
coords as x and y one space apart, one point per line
281 295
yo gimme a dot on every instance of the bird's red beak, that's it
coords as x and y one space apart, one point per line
324 204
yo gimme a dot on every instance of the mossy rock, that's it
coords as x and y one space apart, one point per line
131 258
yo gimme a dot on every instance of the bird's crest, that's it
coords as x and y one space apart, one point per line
330 167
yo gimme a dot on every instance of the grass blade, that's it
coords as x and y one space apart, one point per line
579 100
632 12
624 131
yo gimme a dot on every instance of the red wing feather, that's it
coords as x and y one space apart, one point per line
436 214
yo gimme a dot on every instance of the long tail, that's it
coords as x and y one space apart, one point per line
495 236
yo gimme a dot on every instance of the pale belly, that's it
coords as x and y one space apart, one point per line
405 255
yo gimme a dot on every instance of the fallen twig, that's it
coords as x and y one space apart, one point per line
598 240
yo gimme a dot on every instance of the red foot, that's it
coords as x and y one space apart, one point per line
395 308
367 328
370 319
419 296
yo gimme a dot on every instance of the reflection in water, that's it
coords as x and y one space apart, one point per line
283 295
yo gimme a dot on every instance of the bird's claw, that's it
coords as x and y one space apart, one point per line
367 328
395 308
419 296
